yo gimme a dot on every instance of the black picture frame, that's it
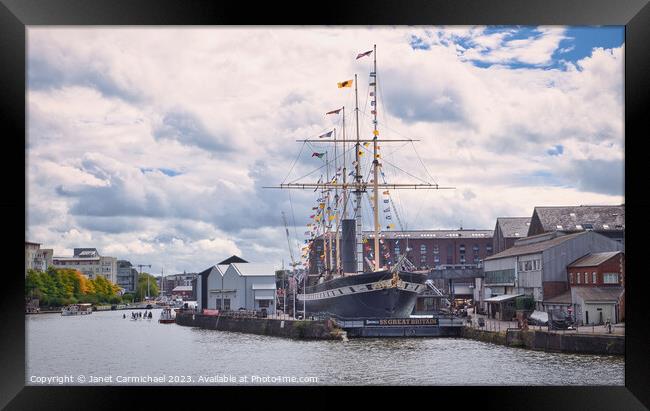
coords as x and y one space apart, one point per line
15 15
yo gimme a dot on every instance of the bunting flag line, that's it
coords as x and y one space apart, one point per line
334 111
319 155
329 134
367 53
346 83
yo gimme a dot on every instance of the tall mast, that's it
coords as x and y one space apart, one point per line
358 191
337 262
375 162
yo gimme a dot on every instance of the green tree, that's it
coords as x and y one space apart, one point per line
141 290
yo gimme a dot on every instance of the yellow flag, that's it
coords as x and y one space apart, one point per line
360 153
366 144
332 217
346 83
375 132
377 156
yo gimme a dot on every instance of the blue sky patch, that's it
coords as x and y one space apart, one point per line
555 151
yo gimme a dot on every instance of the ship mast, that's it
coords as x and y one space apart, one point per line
375 162
359 190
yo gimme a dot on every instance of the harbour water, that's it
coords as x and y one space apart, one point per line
105 349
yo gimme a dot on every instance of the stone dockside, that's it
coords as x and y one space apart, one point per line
551 341
297 329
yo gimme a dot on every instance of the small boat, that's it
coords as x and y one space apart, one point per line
77 309
166 316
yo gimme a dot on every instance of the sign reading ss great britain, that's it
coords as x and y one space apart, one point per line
403 321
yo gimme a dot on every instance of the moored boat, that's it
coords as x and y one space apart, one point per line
77 309
346 287
166 316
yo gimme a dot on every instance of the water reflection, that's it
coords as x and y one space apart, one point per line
106 344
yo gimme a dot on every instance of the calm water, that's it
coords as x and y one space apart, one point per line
105 345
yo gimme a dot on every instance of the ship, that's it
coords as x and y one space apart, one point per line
345 287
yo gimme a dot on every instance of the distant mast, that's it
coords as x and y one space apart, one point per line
359 188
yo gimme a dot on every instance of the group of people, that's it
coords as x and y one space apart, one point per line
138 315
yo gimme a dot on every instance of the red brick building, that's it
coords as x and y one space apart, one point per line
428 249
598 269
604 273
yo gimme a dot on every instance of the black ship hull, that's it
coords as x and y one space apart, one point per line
366 295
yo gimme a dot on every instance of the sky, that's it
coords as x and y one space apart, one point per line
154 144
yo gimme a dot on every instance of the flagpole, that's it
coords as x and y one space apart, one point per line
375 160
358 192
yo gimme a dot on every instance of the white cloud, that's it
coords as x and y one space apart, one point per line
223 108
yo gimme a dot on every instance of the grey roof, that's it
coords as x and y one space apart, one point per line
564 298
594 259
256 269
599 293
574 218
182 288
232 259
513 227
535 247
502 297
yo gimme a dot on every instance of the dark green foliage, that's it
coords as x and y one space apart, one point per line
525 302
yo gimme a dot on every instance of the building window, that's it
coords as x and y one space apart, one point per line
423 258
264 303
218 304
436 258
226 303
593 278
436 250
586 277
571 278
462 259
578 278
423 249
397 250
462 249
488 249
610 278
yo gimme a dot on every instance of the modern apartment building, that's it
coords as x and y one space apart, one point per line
89 262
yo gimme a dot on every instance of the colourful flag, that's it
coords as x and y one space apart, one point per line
360 153
319 155
373 74
334 111
372 93
375 132
367 53
346 83
328 134
372 83
366 144
373 112
372 103
388 217
387 210
386 192
386 201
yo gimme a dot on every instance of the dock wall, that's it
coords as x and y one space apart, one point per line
297 329
552 342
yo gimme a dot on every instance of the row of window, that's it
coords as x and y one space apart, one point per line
532 265
583 278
